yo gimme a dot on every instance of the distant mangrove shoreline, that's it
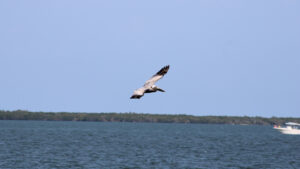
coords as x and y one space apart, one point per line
136 117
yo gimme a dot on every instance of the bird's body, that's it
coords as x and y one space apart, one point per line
149 86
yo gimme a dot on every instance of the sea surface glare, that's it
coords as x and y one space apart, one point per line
51 144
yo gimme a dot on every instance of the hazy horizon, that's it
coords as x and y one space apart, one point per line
152 113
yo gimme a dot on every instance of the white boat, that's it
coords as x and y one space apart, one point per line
290 128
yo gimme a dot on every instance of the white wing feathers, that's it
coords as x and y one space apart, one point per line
139 91
160 74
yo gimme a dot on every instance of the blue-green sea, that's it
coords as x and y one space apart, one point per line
51 144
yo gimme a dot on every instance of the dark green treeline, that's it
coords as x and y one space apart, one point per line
134 117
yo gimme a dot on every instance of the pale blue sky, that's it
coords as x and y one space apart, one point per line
228 57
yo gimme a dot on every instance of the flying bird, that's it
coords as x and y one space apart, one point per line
149 86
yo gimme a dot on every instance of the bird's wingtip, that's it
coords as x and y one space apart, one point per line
135 97
163 70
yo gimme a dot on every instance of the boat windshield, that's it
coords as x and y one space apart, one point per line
292 124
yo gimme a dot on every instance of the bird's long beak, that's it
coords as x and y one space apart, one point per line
161 90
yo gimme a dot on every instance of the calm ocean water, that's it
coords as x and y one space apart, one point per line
44 144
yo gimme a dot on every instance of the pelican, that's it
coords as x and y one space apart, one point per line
149 86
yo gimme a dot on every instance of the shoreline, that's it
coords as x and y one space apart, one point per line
140 117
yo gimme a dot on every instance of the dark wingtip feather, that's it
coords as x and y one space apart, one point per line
163 70
135 97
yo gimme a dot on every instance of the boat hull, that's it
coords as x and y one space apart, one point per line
289 131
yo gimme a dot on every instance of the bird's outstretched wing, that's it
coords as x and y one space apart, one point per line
157 76
138 93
